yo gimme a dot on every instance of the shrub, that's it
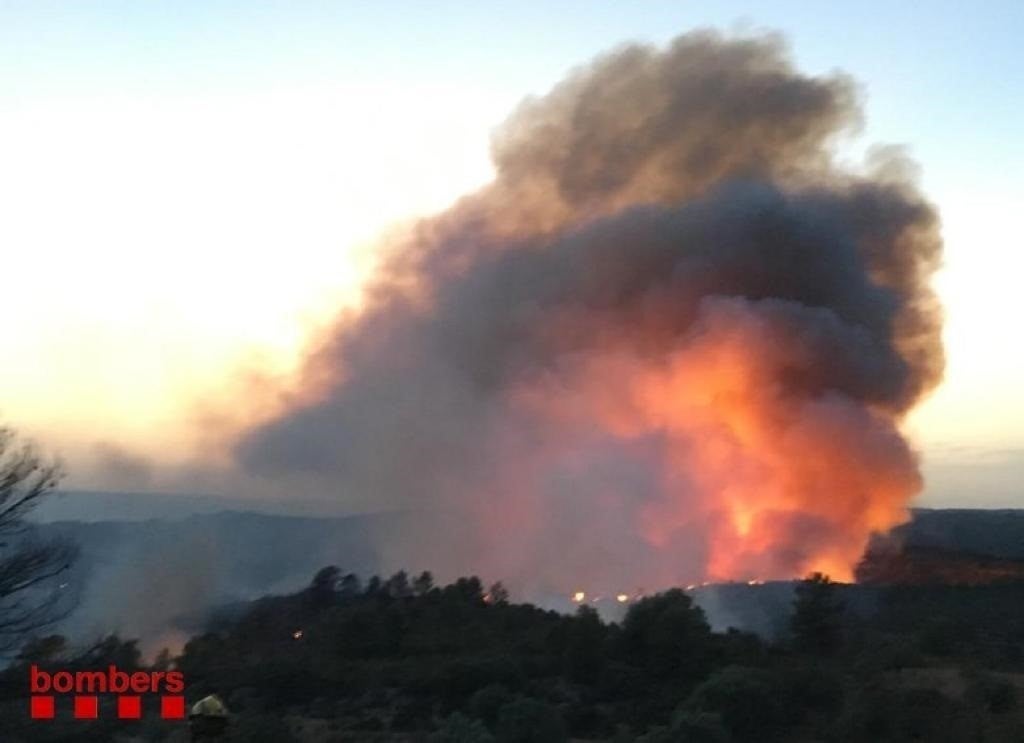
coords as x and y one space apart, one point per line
458 728
748 701
528 720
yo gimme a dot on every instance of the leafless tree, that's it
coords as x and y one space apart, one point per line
31 592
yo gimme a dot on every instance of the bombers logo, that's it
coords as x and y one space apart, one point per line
84 687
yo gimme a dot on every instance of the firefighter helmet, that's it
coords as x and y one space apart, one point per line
210 706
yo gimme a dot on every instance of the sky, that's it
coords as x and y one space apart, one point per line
189 189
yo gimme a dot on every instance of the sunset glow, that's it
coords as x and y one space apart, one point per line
187 204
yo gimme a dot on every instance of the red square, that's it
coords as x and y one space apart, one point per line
172 708
86 708
129 708
41 708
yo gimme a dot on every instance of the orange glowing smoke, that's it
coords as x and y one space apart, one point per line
813 476
671 342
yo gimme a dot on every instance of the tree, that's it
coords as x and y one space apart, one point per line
487 702
669 636
423 583
44 649
497 594
261 729
30 595
323 589
527 720
817 622
744 699
469 590
458 728
110 651
350 586
584 654
698 727
397 585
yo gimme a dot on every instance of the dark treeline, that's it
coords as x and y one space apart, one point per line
405 660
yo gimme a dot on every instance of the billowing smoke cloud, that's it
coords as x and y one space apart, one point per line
672 340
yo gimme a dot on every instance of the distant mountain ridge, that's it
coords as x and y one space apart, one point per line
949 547
97 505
993 533
143 576
159 577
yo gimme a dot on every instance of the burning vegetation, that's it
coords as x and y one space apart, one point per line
672 341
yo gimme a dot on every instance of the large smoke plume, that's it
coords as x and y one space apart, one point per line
672 340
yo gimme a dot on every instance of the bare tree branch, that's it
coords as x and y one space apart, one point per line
31 594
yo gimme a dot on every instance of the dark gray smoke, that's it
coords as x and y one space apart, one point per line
671 340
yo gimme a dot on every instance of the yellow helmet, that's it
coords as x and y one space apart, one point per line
210 706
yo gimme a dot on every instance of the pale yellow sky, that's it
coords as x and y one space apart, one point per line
156 245
981 402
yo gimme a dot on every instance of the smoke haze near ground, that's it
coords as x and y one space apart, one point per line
671 341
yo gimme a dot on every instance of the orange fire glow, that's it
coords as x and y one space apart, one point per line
749 464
